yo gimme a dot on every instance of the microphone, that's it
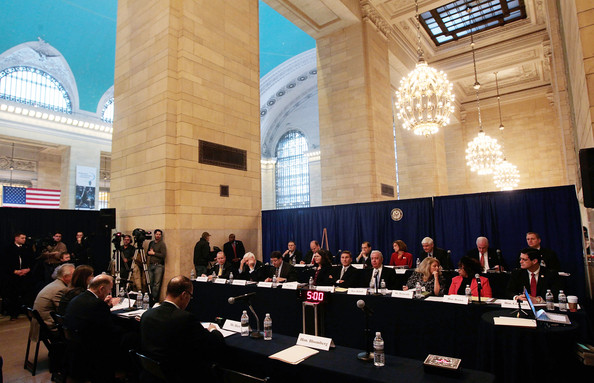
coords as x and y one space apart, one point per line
232 300
478 280
361 305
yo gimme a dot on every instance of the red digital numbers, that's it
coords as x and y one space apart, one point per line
315 296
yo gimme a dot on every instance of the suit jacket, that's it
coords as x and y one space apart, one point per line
287 271
202 254
239 250
17 258
48 300
520 278
366 263
494 259
550 259
297 255
387 274
228 268
442 256
349 279
177 339
485 291
323 277
256 275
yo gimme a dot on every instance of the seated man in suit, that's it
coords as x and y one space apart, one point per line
251 269
429 250
364 257
548 258
487 257
345 275
49 297
175 337
292 255
221 269
378 272
535 278
234 250
284 272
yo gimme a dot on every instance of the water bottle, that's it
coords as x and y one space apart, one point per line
418 291
267 327
231 277
418 262
383 287
310 283
122 293
192 275
214 275
274 281
562 301
146 301
371 286
245 324
468 293
379 358
550 301
139 299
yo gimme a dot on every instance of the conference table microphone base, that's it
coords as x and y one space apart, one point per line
365 356
256 335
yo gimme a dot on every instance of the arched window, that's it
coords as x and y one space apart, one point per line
292 171
107 112
35 87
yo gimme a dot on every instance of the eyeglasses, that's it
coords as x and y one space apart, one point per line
190 294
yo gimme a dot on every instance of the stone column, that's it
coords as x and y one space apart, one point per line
186 71
81 154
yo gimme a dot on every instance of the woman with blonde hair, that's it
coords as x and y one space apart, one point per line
428 274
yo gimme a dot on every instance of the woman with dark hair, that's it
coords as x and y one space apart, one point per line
323 268
81 277
400 257
467 268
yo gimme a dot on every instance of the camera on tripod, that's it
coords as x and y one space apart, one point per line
117 239
141 235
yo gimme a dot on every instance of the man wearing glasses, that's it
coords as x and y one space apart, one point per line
175 337
536 278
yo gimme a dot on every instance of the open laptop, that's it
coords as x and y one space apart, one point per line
543 316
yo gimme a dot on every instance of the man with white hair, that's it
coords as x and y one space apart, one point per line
49 297
487 257
430 250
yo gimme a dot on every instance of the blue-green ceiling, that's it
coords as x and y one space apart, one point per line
84 32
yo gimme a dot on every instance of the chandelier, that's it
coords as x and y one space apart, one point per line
506 175
483 152
424 99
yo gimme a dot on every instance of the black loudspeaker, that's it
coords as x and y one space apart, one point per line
107 218
587 173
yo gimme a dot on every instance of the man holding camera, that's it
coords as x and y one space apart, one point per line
157 251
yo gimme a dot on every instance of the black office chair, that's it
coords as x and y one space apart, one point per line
43 335
225 375
152 367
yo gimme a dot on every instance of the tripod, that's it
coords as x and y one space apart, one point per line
141 254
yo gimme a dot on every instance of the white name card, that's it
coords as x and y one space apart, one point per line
202 279
400 271
518 322
511 304
220 281
357 291
408 294
317 342
265 284
239 282
232 325
290 285
457 299
328 289
358 265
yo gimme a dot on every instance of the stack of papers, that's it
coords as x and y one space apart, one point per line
224 332
294 354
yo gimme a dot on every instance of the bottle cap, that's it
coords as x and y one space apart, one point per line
378 333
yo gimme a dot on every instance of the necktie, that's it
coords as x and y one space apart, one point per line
533 285
234 251
277 273
342 273
220 270
482 260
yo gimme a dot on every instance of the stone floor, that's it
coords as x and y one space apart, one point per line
13 344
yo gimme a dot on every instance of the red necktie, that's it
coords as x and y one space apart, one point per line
533 285
234 251
483 260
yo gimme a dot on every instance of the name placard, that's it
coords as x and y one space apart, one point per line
357 291
317 342
239 282
358 265
265 284
511 304
232 325
290 285
202 279
457 299
220 281
408 294
400 271
328 289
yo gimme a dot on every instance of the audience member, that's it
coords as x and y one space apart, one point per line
176 338
234 250
430 250
157 251
127 255
428 274
284 272
400 257
251 269
202 254
52 255
80 250
378 273
292 255
364 256
535 278
222 268
18 284
548 258
487 257
468 268
49 297
322 275
346 275
81 278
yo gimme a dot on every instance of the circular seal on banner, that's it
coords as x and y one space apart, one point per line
396 214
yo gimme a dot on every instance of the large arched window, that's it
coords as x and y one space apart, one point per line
292 171
107 112
35 87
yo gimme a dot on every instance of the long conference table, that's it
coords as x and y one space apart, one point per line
411 328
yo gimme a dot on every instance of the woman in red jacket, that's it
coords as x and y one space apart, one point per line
467 268
400 257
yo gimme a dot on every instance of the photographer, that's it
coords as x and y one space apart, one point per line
52 256
157 251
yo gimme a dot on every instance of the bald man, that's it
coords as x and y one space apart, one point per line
487 257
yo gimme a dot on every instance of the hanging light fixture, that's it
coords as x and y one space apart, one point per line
506 175
483 152
424 99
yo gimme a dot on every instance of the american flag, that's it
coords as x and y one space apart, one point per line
33 198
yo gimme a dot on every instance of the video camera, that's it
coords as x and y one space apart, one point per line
117 239
141 235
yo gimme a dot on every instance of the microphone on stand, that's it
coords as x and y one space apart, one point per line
362 306
232 300
500 260
254 334
479 286
366 355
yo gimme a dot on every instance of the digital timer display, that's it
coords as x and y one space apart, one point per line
314 296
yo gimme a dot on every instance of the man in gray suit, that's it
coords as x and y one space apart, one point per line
49 297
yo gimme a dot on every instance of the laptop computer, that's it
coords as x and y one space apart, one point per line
543 316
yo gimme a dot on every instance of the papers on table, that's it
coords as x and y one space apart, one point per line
510 321
225 333
132 314
294 354
124 304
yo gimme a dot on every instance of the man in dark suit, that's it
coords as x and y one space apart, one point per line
251 269
93 350
284 272
222 268
535 278
234 250
487 257
176 338
346 275
549 258
378 272
18 261
365 256
292 255
429 250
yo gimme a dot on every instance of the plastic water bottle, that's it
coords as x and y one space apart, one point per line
562 301
418 291
468 293
274 281
192 275
379 358
550 301
310 283
267 327
214 276
139 299
122 293
245 324
231 277
383 287
418 262
372 286
146 301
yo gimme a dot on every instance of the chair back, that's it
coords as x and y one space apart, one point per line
225 375
151 366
